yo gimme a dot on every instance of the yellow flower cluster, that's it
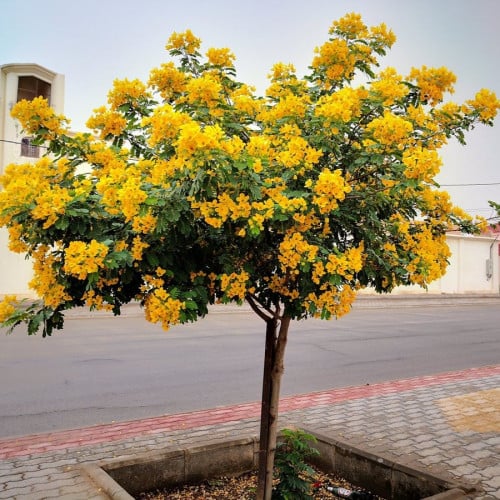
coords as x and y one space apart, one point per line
388 87
259 146
486 103
284 285
434 124
335 57
192 138
438 202
329 189
50 204
168 80
282 72
96 301
45 282
138 247
390 130
8 307
185 41
430 250
288 106
37 114
81 258
124 91
204 90
144 223
421 163
383 35
342 105
161 307
109 122
297 152
165 123
234 285
294 250
222 57
35 185
217 212
433 82
351 26
331 301
130 196
347 263
16 243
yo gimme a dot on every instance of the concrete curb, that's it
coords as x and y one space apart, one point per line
120 478
363 301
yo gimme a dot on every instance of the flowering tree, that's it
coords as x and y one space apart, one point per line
192 190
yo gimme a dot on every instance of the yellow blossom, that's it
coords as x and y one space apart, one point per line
37 114
161 307
421 163
294 250
7 307
124 91
138 247
389 86
486 103
222 57
168 80
81 258
205 90
433 82
45 280
109 122
390 130
351 26
329 189
184 41
234 285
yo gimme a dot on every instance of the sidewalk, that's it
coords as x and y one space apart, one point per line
363 301
443 423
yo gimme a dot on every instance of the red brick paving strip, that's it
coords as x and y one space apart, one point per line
40 443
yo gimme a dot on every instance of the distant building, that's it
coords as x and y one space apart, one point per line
17 82
474 266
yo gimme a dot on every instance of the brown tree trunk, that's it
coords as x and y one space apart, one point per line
276 337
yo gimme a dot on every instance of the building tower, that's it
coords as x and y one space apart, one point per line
17 82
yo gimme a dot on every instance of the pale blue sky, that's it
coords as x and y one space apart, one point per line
95 41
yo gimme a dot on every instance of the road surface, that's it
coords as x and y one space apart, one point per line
99 370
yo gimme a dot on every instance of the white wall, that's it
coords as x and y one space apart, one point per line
466 273
15 270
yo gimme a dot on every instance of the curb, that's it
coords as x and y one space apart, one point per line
363 301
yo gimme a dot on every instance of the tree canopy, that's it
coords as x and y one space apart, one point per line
193 190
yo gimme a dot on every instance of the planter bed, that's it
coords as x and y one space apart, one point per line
121 479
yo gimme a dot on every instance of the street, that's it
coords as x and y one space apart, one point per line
100 370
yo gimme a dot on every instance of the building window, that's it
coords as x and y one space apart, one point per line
29 149
30 87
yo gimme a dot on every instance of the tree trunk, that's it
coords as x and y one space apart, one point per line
276 337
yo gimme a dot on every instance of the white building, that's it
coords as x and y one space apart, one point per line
21 81
474 267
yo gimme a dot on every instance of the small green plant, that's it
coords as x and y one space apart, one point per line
294 474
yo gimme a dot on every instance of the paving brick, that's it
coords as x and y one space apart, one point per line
401 418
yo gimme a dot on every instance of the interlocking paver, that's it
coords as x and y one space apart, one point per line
404 419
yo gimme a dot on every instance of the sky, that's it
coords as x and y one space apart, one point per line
96 41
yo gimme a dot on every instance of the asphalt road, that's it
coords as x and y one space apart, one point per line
102 369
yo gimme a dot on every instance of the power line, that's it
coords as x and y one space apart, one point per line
20 143
472 184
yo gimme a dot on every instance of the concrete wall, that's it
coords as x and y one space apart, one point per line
466 273
15 270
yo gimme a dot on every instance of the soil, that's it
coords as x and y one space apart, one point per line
243 487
